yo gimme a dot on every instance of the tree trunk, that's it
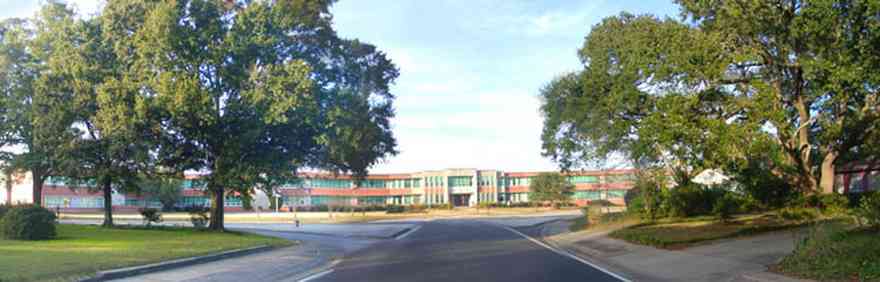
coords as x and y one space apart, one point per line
216 208
826 182
8 185
107 189
38 179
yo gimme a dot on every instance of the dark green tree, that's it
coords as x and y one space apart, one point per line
250 91
34 120
714 91
550 187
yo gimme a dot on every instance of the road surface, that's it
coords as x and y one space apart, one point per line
460 250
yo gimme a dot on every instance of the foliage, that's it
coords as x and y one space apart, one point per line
3 210
830 252
166 189
869 211
725 206
550 187
756 179
198 216
680 233
394 209
797 214
833 204
28 223
651 196
272 74
692 200
30 94
728 81
150 216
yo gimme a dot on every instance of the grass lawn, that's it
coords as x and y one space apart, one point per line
80 251
835 252
673 234
603 222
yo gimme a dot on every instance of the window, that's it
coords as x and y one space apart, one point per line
618 178
460 181
580 179
588 195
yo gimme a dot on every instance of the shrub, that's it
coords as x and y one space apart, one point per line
833 204
747 203
28 223
3 210
692 200
797 214
416 208
150 216
725 206
869 211
394 209
198 216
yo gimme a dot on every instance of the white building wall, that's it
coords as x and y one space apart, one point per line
21 189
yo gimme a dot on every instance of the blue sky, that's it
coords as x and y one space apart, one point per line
470 70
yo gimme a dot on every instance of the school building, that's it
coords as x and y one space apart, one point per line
458 187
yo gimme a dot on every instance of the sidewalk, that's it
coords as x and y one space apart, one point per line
742 259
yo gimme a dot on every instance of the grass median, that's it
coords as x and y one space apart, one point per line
671 234
81 250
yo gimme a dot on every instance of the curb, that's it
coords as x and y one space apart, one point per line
342 236
171 264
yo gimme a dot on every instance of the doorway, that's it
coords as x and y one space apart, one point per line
461 200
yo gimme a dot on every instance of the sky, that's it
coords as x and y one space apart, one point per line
470 71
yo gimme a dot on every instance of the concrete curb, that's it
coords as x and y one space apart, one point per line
766 276
171 264
392 236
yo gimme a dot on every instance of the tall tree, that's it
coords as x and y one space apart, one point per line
246 89
34 124
106 109
811 76
550 187
796 73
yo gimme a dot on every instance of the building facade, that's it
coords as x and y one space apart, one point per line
456 187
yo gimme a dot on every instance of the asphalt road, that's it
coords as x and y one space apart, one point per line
460 250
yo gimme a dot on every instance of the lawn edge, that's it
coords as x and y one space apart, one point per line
175 263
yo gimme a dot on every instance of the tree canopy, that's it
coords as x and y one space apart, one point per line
550 187
792 83
245 92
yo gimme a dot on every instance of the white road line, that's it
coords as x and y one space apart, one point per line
411 231
316 275
322 273
566 254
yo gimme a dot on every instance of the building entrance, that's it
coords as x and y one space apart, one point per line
461 200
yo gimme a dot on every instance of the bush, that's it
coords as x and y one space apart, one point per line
3 210
416 208
28 223
725 206
868 212
198 216
833 204
797 214
150 216
692 200
394 209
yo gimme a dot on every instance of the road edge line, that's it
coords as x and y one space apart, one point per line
327 269
566 254
407 233
316 275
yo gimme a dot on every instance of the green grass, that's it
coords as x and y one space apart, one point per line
671 234
79 251
603 221
834 252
